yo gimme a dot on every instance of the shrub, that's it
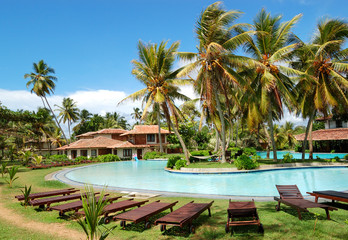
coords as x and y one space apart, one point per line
298 148
249 151
346 157
245 162
332 151
179 164
336 159
80 158
318 158
172 160
108 158
288 158
59 158
235 151
37 160
153 155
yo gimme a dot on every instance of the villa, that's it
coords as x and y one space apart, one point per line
141 139
333 137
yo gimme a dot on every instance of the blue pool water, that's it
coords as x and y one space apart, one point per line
150 175
297 155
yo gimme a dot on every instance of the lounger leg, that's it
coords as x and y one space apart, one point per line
209 212
327 213
316 199
278 206
299 214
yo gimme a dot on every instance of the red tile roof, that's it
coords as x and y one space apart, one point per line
98 142
326 134
324 118
146 129
103 131
86 134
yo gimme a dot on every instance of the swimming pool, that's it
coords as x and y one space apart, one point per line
150 175
297 155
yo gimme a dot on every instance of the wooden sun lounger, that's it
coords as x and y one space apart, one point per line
75 206
48 201
48 194
144 213
242 210
290 195
184 215
333 195
116 207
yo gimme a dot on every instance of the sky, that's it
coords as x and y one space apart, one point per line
91 43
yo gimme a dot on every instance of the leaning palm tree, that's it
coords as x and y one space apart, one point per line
326 84
42 84
68 112
154 69
136 115
271 47
215 61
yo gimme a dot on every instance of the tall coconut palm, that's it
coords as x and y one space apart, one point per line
84 116
325 62
42 84
289 133
154 69
136 115
270 47
68 112
215 60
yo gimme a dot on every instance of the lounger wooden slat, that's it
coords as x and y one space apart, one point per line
184 215
144 213
242 210
290 195
116 207
333 195
75 206
48 201
48 194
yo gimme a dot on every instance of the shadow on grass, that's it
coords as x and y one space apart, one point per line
337 205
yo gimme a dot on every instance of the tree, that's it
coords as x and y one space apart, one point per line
154 69
136 115
215 61
270 46
42 84
68 112
325 62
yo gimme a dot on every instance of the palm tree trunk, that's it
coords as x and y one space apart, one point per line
159 131
229 134
69 131
236 132
304 143
186 152
223 133
217 144
270 124
55 118
268 140
310 142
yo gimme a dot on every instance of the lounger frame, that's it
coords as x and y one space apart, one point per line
63 192
318 194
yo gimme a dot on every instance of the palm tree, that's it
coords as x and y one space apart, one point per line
154 69
84 116
289 133
68 112
136 115
325 62
42 84
270 47
215 62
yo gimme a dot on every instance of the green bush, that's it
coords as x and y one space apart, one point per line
80 158
234 150
249 151
298 148
179 164
336 159
108 158
172 160
153 155
346 157
333 151
58 158
318 158
245 162
288 158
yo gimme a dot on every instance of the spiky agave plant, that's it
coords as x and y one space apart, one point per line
93 208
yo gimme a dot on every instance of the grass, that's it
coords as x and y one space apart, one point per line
278 225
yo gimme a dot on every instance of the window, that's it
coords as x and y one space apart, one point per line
151 138
338 123
127 152
93 153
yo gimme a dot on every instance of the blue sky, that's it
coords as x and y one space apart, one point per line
90 43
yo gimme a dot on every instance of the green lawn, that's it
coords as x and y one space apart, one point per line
278 225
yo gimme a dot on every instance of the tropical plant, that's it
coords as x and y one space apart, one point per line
215 62
245 162
136 115
179 164
37 160
154 69
42 84
172 161
68 112
3 169
93 208
26 194
26 157
325 84
271 85
12 171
